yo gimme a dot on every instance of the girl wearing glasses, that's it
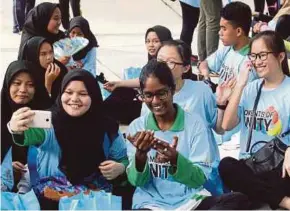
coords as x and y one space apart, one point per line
194 97
267 55
169 151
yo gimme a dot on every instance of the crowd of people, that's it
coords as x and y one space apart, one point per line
169 158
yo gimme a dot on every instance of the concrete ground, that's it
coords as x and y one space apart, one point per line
119 26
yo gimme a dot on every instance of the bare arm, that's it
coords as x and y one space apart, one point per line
231 118
204 70
131 83
218 127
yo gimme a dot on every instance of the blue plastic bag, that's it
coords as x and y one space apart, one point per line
104 92
95 200
131 73
15 201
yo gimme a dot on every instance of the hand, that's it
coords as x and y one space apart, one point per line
286 164
19 167
79 64
244 75
51 74
64 60
111 169
224 91
21 119
143 141
167 152
111 85
257 26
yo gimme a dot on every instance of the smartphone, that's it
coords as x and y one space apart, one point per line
41 119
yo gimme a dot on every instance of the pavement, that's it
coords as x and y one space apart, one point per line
119 26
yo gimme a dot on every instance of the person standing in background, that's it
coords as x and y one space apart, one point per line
190 15
64 8
260 6
20 11
208 38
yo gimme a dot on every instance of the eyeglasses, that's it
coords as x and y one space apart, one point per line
170 64
262 56
148 96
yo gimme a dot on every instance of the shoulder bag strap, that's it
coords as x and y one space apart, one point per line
252 120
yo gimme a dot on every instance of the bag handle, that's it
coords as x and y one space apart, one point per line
285 133
253 117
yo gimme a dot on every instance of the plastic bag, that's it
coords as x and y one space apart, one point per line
14 201
95 200
131 73
68 47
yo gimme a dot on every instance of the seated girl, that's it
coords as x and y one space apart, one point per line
169 151
43 20
83 146
22 87
122 104
87 57
267 55
39 51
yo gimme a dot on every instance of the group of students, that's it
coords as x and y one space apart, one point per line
169 152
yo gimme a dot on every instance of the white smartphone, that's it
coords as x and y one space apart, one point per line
41 119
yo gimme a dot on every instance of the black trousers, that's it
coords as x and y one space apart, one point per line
268 187
190 17
20 11
64 8
227 201
122 105
283 26
260 5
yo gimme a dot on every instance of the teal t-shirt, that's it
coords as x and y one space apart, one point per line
228 62
272 115
161 190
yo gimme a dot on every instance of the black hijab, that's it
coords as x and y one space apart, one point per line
30 52
162 32
40 101
83 24
36 24
81 138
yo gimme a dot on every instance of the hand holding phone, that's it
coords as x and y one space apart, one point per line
142 140
41 119
167 151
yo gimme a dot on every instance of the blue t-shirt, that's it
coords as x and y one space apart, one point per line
272 115
228 62
162 191
89 62
49 153
7 177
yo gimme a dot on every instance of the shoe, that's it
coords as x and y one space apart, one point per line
16 31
